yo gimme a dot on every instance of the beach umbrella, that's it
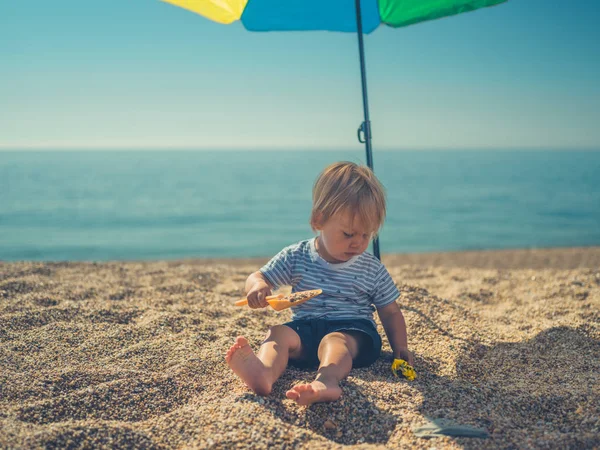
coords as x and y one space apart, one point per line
358 16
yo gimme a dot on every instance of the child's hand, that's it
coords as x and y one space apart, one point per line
257 295
406 355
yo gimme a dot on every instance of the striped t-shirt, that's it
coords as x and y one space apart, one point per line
351 290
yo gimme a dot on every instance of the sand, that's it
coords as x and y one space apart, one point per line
130 354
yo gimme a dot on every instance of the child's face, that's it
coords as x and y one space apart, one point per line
343 237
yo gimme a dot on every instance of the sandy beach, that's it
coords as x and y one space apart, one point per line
131 354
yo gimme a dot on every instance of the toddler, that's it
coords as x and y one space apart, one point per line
334 331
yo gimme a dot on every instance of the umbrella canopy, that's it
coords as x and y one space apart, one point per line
359 16
330 15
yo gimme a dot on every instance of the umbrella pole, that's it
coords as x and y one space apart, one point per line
364 131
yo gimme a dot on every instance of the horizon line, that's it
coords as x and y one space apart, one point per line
73 148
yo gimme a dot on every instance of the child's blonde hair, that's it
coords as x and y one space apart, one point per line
346 186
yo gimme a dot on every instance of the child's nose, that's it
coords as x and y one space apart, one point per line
357 242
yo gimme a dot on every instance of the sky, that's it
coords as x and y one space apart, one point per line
145 74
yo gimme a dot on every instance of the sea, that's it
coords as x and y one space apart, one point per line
178 204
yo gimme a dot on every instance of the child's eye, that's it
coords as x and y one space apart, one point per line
348 235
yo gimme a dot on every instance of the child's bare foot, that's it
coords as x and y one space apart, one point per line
317 391
248 367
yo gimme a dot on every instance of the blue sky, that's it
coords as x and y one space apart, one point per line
145 74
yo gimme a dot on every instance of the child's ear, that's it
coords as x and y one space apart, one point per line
317 220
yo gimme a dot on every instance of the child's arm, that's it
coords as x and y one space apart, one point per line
257 289
395 329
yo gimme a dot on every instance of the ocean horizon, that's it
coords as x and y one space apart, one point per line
100 205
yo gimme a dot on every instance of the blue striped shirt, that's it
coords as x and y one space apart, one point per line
351 290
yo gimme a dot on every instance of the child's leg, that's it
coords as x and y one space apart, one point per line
336 352
260 372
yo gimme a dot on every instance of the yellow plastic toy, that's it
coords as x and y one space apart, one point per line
281 302
399 365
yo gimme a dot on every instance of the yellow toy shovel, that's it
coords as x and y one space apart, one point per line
281 302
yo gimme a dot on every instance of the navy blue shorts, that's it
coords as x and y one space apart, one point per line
312 331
